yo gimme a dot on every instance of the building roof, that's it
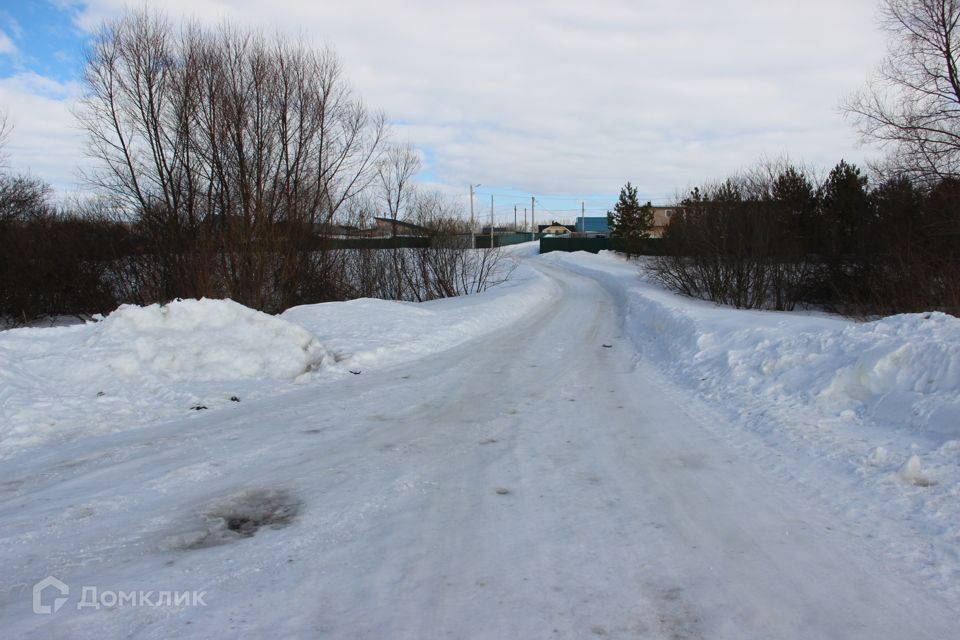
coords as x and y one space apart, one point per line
593 224
402 226
555 228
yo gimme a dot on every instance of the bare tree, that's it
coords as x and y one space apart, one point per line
230 148
21 196
912 104
5 128
397 169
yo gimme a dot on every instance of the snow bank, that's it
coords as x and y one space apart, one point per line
900 371
903 369
196 340
141 364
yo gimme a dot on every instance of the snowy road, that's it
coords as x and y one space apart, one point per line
530 484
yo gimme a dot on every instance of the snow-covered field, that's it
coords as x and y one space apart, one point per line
575 454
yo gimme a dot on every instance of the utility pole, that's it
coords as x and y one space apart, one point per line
533 216
471 206
583 218
491 221
514 218
473 242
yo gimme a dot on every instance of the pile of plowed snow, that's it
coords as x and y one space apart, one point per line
197 340
142 364
903 369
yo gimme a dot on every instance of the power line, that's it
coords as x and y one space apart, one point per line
520 197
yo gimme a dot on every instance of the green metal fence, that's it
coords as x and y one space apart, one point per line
399 242
592 245
647 247
503 240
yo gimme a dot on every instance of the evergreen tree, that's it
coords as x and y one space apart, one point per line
795 202
629 221
845 209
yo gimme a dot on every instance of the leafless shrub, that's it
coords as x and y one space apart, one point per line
735 244
52 262
56 262
440 265
449 266
772 238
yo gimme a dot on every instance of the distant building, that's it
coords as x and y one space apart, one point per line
661 218
329 230
497 231
593 225
388 227
555 229
600 225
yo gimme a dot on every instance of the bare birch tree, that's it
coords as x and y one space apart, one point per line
397 169
912 104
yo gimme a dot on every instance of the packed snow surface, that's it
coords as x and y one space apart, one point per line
576 453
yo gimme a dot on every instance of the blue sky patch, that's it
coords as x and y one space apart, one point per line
47 41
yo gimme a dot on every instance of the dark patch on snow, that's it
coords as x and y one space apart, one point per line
676 617
502 491
198 407
234 399
239 516
488 441
607 346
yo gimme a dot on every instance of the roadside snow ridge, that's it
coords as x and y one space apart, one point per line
199 340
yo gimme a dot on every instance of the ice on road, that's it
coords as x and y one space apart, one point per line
540 481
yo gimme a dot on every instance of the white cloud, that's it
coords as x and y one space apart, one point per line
7 46
45 140
561 96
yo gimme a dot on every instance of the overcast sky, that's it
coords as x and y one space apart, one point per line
563 100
